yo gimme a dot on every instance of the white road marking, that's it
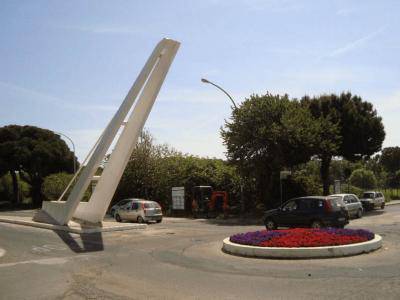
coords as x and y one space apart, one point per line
44 261
47 248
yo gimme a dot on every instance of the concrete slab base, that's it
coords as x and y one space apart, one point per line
73 226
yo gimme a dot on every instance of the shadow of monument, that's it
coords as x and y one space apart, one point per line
79 243
82 243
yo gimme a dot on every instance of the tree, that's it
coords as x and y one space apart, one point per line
363 178
55 184
267 134
34 153
361 132
390 159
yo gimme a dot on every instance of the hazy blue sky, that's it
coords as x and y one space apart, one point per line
67 65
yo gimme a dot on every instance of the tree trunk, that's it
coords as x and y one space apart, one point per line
325 163
36 190
15 187
265 190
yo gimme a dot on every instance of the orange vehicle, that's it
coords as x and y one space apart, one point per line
208 202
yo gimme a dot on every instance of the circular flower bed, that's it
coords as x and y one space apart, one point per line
302 237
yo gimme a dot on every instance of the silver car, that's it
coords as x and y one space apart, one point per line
372 200
116 206
138 210
352 203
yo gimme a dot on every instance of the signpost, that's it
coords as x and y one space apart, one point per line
337 187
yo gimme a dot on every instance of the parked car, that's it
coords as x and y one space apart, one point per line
138 210
119 204
312 211
372 200
352 203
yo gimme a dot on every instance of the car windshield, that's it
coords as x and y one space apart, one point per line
123 202
368 195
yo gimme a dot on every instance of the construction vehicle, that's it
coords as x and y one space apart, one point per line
209 203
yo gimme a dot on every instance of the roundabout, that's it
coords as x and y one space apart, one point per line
302 243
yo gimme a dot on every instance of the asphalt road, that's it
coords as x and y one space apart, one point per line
182 259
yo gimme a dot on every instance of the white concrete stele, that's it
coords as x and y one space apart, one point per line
147 84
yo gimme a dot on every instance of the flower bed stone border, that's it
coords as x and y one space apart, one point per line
303 252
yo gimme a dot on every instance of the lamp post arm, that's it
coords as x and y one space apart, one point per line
73 147
226 93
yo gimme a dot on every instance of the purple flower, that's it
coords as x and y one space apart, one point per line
254 238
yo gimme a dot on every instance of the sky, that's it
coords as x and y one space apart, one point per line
67 65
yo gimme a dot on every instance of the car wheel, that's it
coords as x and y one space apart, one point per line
118 218
359 213
270 224
140 219
316 224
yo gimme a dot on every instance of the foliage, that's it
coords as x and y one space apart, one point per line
266 134
389 163
363 178
361 131
154 169
35 153
54 185
350 189
302 184
6 189
341 169
390 159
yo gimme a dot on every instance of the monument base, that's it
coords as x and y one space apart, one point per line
43 220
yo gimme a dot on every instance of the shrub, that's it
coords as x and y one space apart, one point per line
363 178
54 185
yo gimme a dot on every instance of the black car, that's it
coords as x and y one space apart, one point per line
315 212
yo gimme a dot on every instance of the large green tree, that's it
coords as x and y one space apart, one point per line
268 133
34 153
361 131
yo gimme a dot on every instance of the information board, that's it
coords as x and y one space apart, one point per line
178 198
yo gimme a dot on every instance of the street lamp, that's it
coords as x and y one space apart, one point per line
235 107
220 88
73 147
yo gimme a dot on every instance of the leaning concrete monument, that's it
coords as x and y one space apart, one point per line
145 88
